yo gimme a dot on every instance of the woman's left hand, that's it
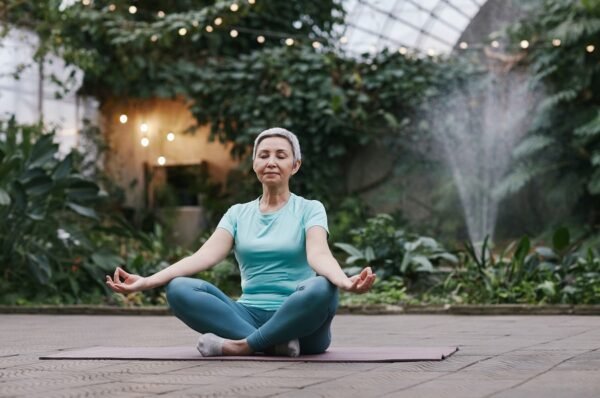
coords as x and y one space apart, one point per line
362 282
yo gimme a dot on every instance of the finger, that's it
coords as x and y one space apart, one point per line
116 276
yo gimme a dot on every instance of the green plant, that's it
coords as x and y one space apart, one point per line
389 291
392 251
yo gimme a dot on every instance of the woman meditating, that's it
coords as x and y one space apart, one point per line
280 242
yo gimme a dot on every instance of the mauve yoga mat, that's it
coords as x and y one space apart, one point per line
333 354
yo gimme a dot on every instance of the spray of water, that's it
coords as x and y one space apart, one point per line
478 124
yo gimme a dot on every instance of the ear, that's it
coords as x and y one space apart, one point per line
296 167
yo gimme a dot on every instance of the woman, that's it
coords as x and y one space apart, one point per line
280 242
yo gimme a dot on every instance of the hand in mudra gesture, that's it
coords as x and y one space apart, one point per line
130 283
362 282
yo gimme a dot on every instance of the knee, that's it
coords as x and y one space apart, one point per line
175 289
320 291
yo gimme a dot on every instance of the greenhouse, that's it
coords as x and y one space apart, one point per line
435 157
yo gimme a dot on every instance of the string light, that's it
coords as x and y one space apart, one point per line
260 39
289 41
132 9
171 136
182 31
556 42
209 28
145 141
524 44
154 38
233 33
123 118
316 44
431 52
402 50
234 7
218 21
161 160
112 7
590 48
343 40
144 128
161 14
251 1
85 2
463 45
195 23
495 44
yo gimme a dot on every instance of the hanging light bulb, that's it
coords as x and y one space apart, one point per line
171 136
463 45
316 44
403 50
590 48
123 118
289 41
251 1
495 44
218 21
234 7
182 31
161 14
132 9
209 28
145 141
161 160
556 42
86 2
195 23
260 39
154 38
431 52
524 44
112 7
144 128
343 40
233 33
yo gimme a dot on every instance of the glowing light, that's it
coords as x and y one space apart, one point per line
463 45
524 44
260 39
316 44
182 31
403 50
556 42
145 141
86 2
218 21
289 41
195 23
251 1
590 48
233 33
112 7
161 160
431 52
132 9
495 44
234 7
154 38
144 128
161 14
171 136
123 118
209 28
343 40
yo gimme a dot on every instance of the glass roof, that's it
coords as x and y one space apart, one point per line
424 25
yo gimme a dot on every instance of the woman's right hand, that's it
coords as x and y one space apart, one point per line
131 283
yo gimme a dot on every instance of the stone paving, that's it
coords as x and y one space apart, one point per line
500 356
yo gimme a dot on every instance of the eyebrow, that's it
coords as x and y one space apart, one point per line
277 150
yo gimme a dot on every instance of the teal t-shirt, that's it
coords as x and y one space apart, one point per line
270 248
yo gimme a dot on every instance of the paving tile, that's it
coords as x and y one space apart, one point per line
558 384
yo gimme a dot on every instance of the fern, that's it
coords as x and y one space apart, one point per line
591 128
531 145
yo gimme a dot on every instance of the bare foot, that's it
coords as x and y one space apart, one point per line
236 347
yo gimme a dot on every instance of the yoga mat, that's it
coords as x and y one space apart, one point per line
333 354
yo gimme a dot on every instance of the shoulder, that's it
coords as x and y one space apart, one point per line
304 205
241 208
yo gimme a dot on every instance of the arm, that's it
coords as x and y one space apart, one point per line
210 253
322 261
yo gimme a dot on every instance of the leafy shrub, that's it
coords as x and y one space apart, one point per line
391 251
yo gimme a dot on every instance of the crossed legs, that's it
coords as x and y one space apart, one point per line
306 315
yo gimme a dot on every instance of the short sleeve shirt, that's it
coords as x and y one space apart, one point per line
271 248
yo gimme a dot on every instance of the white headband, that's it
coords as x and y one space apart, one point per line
279 132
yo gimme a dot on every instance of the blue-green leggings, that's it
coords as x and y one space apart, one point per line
306 314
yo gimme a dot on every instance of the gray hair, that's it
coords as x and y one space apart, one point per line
279 132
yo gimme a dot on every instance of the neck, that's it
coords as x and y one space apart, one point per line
273 197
